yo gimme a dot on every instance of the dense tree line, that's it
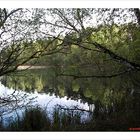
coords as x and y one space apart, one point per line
113 37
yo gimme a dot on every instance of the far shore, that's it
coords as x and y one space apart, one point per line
30 67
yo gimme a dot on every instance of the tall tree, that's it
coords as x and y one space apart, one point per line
77 20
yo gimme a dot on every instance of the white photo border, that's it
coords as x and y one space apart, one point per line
69 135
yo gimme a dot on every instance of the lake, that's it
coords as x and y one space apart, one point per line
102 104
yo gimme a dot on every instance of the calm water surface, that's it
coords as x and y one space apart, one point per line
114 101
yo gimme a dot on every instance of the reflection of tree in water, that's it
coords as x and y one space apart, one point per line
116 100
12 101
120 114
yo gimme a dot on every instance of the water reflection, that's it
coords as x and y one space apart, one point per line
47 101
114 102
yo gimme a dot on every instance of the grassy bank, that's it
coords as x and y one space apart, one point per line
36 119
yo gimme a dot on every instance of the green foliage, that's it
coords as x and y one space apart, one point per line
61 89
75 86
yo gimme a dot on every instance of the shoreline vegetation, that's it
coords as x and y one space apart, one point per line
36 119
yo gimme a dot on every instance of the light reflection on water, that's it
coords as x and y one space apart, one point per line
45 101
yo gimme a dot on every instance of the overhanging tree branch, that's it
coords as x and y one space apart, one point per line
115 56
96 76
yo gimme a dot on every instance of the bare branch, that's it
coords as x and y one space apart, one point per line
96 76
